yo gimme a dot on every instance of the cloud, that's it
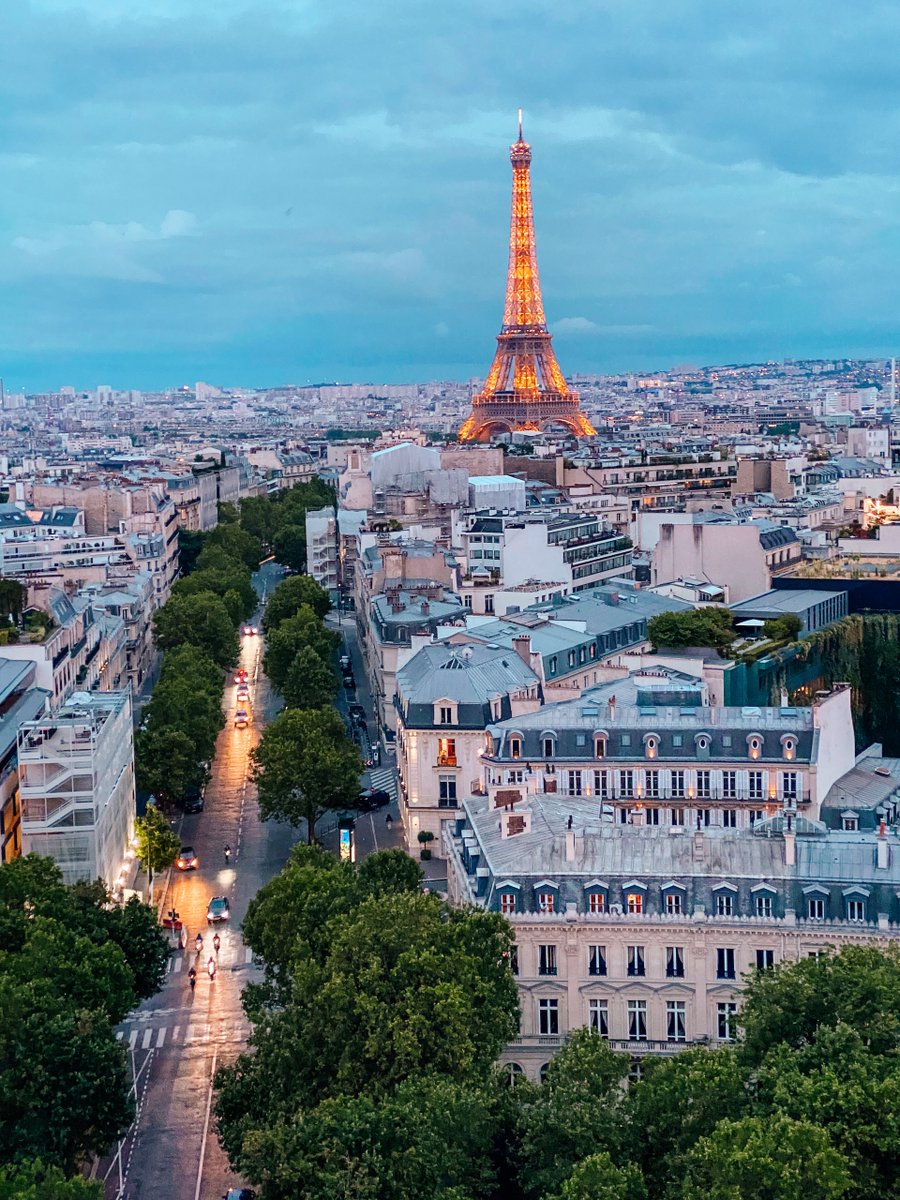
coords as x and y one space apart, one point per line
577 325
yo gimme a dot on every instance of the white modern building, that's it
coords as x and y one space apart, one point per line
76 786
322 548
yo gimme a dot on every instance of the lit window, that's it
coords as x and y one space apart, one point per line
515 747
635 903
674 906
596 902
446 752
850 824
507 902
755 747
546 902
790 748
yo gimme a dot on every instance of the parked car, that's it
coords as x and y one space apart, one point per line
192 800
357 714
187 859
345 663
218 910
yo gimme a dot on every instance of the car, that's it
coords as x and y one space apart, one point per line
243 692
187 859
218 909
241 718
372 799
357 714
239 1194
192 800
349 683
240 675
345 663
254 630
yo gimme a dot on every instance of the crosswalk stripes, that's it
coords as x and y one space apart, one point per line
384 779
222 1031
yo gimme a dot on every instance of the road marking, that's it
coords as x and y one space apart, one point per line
179 963
132 1040
148 1038
189 1035
209 1099
161 1037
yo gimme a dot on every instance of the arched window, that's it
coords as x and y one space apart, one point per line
789 748
542 1074
754 746
514 1073
548 744
651 745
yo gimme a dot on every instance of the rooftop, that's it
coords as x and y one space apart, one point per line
471 674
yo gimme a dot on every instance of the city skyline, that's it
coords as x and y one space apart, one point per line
267 199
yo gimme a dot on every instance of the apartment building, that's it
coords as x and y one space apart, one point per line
20 700
322 548
745 555
650 854
76 784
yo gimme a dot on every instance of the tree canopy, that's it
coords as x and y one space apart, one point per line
711 626
200 620
290 596
303 630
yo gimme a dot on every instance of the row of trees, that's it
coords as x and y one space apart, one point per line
72 965
279 521
304 764
382 1012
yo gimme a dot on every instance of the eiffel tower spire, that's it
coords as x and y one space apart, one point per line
525 388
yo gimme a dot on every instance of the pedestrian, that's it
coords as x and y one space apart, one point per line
389 821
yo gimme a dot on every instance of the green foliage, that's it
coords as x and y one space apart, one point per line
35 1181
310 683
266 516
13 597
71 966
239 544
190 544
201 620
574 1114
598 1178
219 582
711 626
157 842
760 1158
166 762
290 596
784 628
301 631
304 765
289 547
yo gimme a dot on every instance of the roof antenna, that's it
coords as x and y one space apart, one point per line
520 125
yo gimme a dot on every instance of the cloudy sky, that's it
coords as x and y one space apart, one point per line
266 191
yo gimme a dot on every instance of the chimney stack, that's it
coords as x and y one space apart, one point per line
882 850
570 845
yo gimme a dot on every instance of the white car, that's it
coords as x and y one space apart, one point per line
241 719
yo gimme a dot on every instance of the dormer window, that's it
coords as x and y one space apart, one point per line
600 745
789 749
702 742
850 821
446 716
445 712
548 745
515 747
651 745
754 746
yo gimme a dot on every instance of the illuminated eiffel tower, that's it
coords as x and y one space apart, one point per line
524 389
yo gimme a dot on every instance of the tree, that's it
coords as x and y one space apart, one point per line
574 1114
190 544
598 1178
201 621
166 762
289 547
783 628
709 626
310 683
13 597
702 1086
303 629
157 843
304 765
765 1158
238 543
220 580
388 872
290 595
33 1180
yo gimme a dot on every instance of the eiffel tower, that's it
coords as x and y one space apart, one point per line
524 389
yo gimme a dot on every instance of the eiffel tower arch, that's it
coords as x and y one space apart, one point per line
525 389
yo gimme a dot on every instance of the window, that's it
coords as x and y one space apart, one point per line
514 959
574 783
849 824
724 904
815 908
600 747
674 962
677 739
756 814
634 903
677 786
514 1074
729 818
548 1017
598 1017
637 1020
446 716
636 960
553 665
515 747
704 784
596 960
446 752
652 784
601 784
596 902
548 745
729 785
676 1030
727 1012
507 902
790 748
856 910
489 603
446 791
674 904
626 783
789 785
546 960
650 747
546 902
704 816
765 960
755 747
467 600
515 776
651 816
677 816
725 963
756 786
763 905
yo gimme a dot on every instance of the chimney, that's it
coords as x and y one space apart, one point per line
790 842
570 845
882 850
699 848
611 706
522 647
612 598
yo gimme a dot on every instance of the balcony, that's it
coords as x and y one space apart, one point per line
446 760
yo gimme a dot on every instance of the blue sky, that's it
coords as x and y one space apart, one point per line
256 192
